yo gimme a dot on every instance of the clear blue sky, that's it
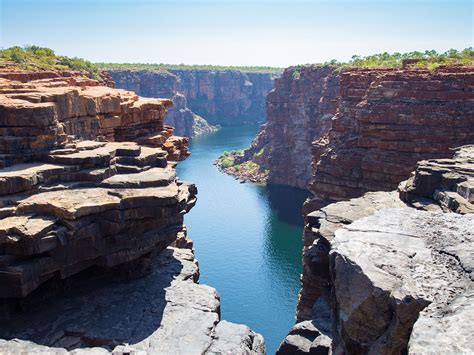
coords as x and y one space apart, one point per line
259 32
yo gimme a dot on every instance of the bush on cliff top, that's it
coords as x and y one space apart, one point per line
35 57
427 59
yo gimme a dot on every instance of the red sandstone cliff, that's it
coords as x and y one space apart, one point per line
386 120
91 214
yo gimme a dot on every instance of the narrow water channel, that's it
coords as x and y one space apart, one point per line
247 238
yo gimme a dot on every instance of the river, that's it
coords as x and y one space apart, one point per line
247 237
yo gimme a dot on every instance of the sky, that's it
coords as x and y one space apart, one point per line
231 32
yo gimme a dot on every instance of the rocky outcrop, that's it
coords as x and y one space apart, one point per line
41 115
226 97
449 182
402 269
164 84
89 218
379 276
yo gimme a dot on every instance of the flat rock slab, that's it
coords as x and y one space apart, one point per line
23 177
165 312
149 178
391 267
75 203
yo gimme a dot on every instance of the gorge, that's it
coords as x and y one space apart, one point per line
202 97
373 166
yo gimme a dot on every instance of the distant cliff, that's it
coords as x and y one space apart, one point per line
161 83
220 97
226 97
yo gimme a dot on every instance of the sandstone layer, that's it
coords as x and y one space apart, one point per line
163 83
387 121
88 198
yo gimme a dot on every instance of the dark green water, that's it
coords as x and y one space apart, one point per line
247 238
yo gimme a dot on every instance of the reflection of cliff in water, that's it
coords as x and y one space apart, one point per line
287 202
283 234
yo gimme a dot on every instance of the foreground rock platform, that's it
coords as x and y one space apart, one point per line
164 311
402 268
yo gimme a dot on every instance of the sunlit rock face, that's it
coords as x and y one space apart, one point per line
91 223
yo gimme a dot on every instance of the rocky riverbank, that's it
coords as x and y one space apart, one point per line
91 214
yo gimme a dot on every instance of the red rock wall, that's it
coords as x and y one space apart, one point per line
387 121
299 111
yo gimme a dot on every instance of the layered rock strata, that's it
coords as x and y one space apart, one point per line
449 182
163 83
78 217
42 115
382 277
387 121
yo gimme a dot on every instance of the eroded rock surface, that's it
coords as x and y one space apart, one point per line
381 276
42 115
396 268
446 182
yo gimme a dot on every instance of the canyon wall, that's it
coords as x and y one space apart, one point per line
162 83
390 272
220 97
299 111
226 97
91 223
386 121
